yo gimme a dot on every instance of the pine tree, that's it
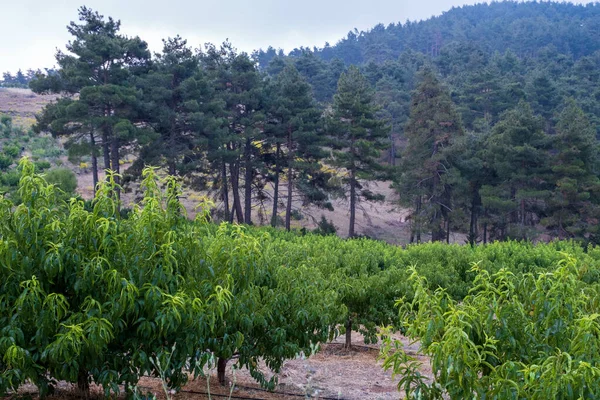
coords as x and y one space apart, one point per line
70 118
98 67
357 137
518 153
468 155
574 205
433 124
293 119
239 86
176 98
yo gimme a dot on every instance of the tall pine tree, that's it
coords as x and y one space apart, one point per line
574 204
433 124
518 154
98 66
357 137
293 124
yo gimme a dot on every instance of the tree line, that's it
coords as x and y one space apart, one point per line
494 145
210 116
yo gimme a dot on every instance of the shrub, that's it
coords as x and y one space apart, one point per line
10 178
64 178
42 165
12 151
5 161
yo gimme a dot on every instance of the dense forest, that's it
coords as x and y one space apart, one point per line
485 118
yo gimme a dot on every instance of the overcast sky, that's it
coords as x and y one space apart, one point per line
32 30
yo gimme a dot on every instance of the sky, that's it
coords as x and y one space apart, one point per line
32 30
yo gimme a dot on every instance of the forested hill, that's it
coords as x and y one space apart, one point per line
523 27
490 56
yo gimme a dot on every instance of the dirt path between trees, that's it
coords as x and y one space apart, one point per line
333 373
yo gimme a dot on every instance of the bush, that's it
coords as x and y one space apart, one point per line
64 178
325 227
5 161
10 178
12 151
42 165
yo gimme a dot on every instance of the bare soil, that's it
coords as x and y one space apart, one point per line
333 373
22 105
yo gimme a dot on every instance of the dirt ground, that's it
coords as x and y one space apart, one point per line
22 105
333 373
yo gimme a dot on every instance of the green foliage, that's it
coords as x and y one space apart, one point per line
293 128
517 149
63 178
42 165
5 161
325 227
88 296
357 136
573 204
12 151
433 125
514 336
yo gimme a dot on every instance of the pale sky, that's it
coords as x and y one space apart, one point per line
32 30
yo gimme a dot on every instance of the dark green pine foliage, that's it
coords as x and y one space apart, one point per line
70 119
239 85
469 157
573 206
518 153
392 95
176 103
323 76
292 130
98 66
544 97
357 138
422 185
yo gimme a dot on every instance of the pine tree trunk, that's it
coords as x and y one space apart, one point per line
106 150
472 227
418 219
235 188
248 182
485 233
392 147
276 187
172 152
348 344
290 178
352 190
94 161
221 365
351 232
225 190
437 232
448 230
522 207
473 224
114 156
